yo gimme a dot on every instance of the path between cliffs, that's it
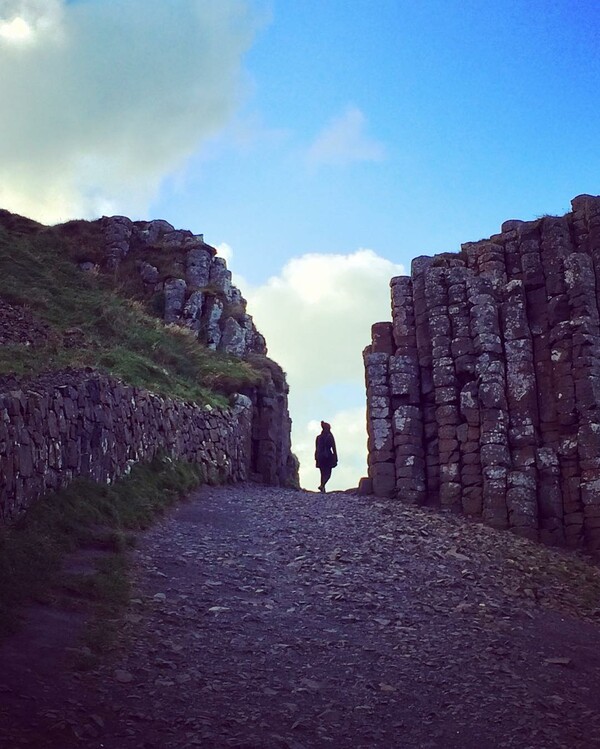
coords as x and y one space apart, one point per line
271 618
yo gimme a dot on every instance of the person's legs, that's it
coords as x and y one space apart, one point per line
325 476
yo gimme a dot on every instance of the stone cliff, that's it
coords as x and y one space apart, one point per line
194 288
195 291
483 393
80 422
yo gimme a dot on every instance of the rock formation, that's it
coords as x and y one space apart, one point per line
195 287
197 293
72 423
483 393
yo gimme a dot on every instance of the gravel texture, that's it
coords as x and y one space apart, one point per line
266 618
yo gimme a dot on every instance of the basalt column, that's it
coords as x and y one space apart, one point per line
523 418
379 414
444 385
405 397
423 343
582 273
491 395
483 394
462 350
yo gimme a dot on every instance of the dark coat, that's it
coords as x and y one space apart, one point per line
325 451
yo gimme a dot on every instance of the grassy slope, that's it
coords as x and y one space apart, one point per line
119 336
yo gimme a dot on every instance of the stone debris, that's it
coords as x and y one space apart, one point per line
483 393
19 325
263 617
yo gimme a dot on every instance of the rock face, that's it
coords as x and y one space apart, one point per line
483 393
272 462
197 293
80 423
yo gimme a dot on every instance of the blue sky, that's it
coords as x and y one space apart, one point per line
485 111
320 144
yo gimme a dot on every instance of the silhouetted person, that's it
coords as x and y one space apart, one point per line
325 454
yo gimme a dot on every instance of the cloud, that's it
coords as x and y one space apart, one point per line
22 22
316 316
344 141
102 99
226 252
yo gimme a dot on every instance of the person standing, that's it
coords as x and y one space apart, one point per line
325 454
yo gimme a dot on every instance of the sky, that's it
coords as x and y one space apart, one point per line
319 144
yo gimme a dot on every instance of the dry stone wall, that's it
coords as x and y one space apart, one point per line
96 427
483 393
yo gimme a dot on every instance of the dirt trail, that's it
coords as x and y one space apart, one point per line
272 618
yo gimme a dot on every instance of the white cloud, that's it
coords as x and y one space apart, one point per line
225 251
344 141
16 30
102 99
23 22
316 316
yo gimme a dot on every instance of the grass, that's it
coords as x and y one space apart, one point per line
82 516
119 336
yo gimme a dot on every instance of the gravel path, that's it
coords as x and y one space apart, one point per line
271 618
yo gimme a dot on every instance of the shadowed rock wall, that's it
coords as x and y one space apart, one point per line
77 423
96 427
483 393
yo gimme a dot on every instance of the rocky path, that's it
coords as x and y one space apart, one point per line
272 618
